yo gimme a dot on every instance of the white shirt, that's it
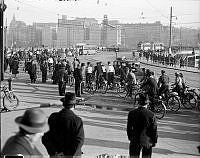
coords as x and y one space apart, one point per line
50 60
104 68
89 70
110 68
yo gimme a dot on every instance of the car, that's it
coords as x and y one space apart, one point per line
130 63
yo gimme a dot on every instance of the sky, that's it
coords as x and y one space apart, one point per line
186 13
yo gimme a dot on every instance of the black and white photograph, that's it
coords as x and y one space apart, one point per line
100 78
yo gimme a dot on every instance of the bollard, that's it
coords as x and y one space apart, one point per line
10 84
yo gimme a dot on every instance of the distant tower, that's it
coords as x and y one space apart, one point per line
12 30
104 31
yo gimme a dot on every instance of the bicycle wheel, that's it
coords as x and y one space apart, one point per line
174 103
72 81
10 101
195 96
159 110
122 91
91 88
189 101
103 88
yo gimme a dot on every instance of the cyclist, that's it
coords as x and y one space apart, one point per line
122 74
178 84
111 72
98 72
163 83
150 86
183 81
88 73
131 81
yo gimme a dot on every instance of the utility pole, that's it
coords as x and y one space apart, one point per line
2 9
170 31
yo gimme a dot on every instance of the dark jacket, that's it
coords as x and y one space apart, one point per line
62 75
19 145
15 66
66 133
78 75
151 86
138 120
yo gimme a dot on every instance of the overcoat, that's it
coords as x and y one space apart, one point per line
19 145
65 135
138 120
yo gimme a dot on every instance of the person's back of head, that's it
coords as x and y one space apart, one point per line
143 99
69 100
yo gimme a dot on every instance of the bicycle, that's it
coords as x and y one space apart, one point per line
158 106
172 100
124 91
10 100
70 80
101 85
187 98
90 87
197 96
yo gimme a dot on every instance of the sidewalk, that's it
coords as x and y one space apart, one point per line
177 67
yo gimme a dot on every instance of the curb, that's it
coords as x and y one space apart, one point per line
170 67
95 106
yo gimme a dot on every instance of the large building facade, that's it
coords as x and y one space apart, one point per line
79 30
109 33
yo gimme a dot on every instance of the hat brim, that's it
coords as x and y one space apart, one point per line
40 129
71 102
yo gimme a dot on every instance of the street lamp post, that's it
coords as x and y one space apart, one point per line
2 9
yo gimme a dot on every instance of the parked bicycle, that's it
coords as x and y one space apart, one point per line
10 100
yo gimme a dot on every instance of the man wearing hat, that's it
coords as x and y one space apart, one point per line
150 86
142 129
66 134
131 81
163 83
32 125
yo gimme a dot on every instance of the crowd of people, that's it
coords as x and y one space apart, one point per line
66 133
62 70
160 58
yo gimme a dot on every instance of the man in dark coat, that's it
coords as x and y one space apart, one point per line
66 133
43 68
78 79
62 79
163 83
142 129
15 66
32 125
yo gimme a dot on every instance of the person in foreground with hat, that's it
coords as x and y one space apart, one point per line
32 125
66 134
142 129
